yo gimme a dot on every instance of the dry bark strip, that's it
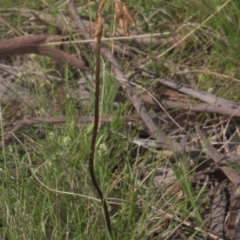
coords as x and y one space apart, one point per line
218 212
200 94
32 44
203 107
233 228
191 106
234 177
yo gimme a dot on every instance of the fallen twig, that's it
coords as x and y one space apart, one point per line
31 44
186 105
202 95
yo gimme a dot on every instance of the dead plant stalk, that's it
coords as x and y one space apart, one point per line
124 18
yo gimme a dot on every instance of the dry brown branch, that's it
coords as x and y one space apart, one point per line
191 106
31 44
202 95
